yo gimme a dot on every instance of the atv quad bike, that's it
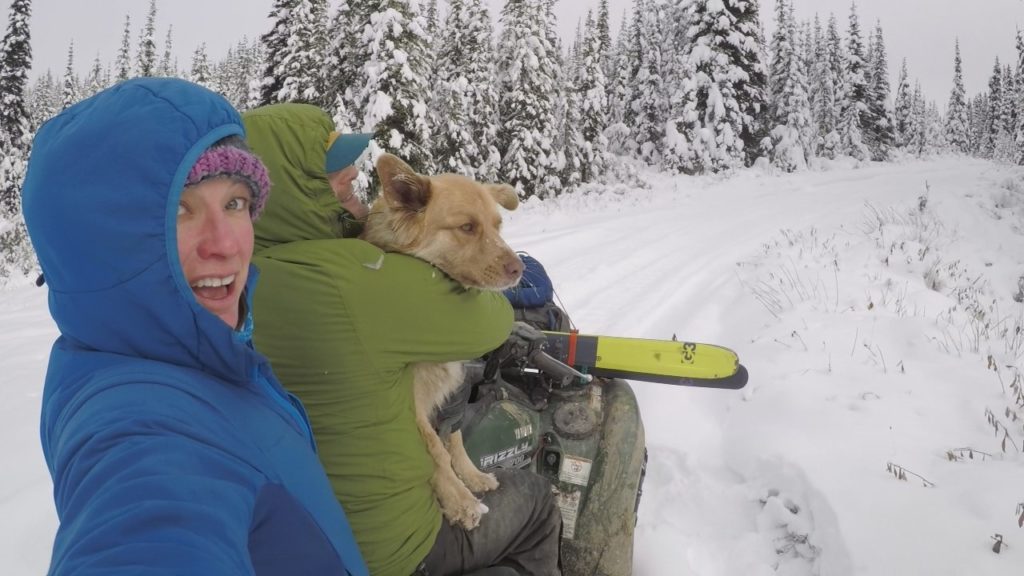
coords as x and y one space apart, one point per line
529 407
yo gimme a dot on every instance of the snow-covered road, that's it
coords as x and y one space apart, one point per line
665 261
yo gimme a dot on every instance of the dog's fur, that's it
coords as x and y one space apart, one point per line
452 222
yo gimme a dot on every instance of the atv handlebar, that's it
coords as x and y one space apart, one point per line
528 343
554 368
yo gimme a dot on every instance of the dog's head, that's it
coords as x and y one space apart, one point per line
448 220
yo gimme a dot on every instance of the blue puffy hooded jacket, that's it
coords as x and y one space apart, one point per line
172 446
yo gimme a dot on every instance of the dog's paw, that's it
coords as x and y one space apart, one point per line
478 481
466 512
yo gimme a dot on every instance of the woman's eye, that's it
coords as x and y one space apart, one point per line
240 203
181 209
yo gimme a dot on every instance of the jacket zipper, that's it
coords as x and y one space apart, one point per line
287 402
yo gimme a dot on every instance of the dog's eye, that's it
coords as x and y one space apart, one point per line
468 228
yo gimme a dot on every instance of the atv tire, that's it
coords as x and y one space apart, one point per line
603 539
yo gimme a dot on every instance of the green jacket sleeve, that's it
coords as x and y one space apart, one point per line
396 309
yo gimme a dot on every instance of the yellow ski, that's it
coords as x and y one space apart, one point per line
665 361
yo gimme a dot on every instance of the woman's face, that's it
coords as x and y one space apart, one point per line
215 242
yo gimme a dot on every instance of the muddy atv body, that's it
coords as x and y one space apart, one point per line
584 434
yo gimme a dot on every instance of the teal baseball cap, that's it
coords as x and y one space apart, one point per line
344 149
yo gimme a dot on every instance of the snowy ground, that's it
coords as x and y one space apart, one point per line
866 323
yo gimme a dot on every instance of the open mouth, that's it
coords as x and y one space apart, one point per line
214 288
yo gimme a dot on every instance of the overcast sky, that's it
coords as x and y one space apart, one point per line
922 31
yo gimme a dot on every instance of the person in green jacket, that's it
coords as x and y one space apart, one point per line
341 322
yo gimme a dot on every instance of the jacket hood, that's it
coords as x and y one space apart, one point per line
291 139
100 200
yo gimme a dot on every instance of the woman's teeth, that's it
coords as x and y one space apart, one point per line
213 282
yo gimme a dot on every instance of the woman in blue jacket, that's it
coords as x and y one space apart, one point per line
172 446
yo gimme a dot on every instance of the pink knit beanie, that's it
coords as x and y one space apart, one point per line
231 158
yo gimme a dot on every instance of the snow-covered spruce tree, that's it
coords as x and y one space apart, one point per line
935 129
856 68
902 108
789 108
746 44
235 74
1019 126
434 31
94 82
881 137
275 46
569 144
42 100
123 64
453 145
604 37
295 48
972 117
714 63
481 75
16 254
433 18
15 61
200 71
853 105
980 112
650 103
70 92
918 131
820 92
258 55
569 141
223 78
994 124
1006 148
168 66
684 124
392 91
345 58
592 91
608 54
572 63
829 74
527 92
551 182
146 59
467 100
630 59
309 83
619 83
956 110
805 50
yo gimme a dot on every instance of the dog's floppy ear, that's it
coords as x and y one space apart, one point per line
504 195
402 184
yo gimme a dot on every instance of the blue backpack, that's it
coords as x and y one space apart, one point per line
534 289
533 298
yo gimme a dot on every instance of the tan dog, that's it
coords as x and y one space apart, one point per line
452 222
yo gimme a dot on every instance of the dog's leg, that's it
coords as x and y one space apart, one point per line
457 503
475 480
